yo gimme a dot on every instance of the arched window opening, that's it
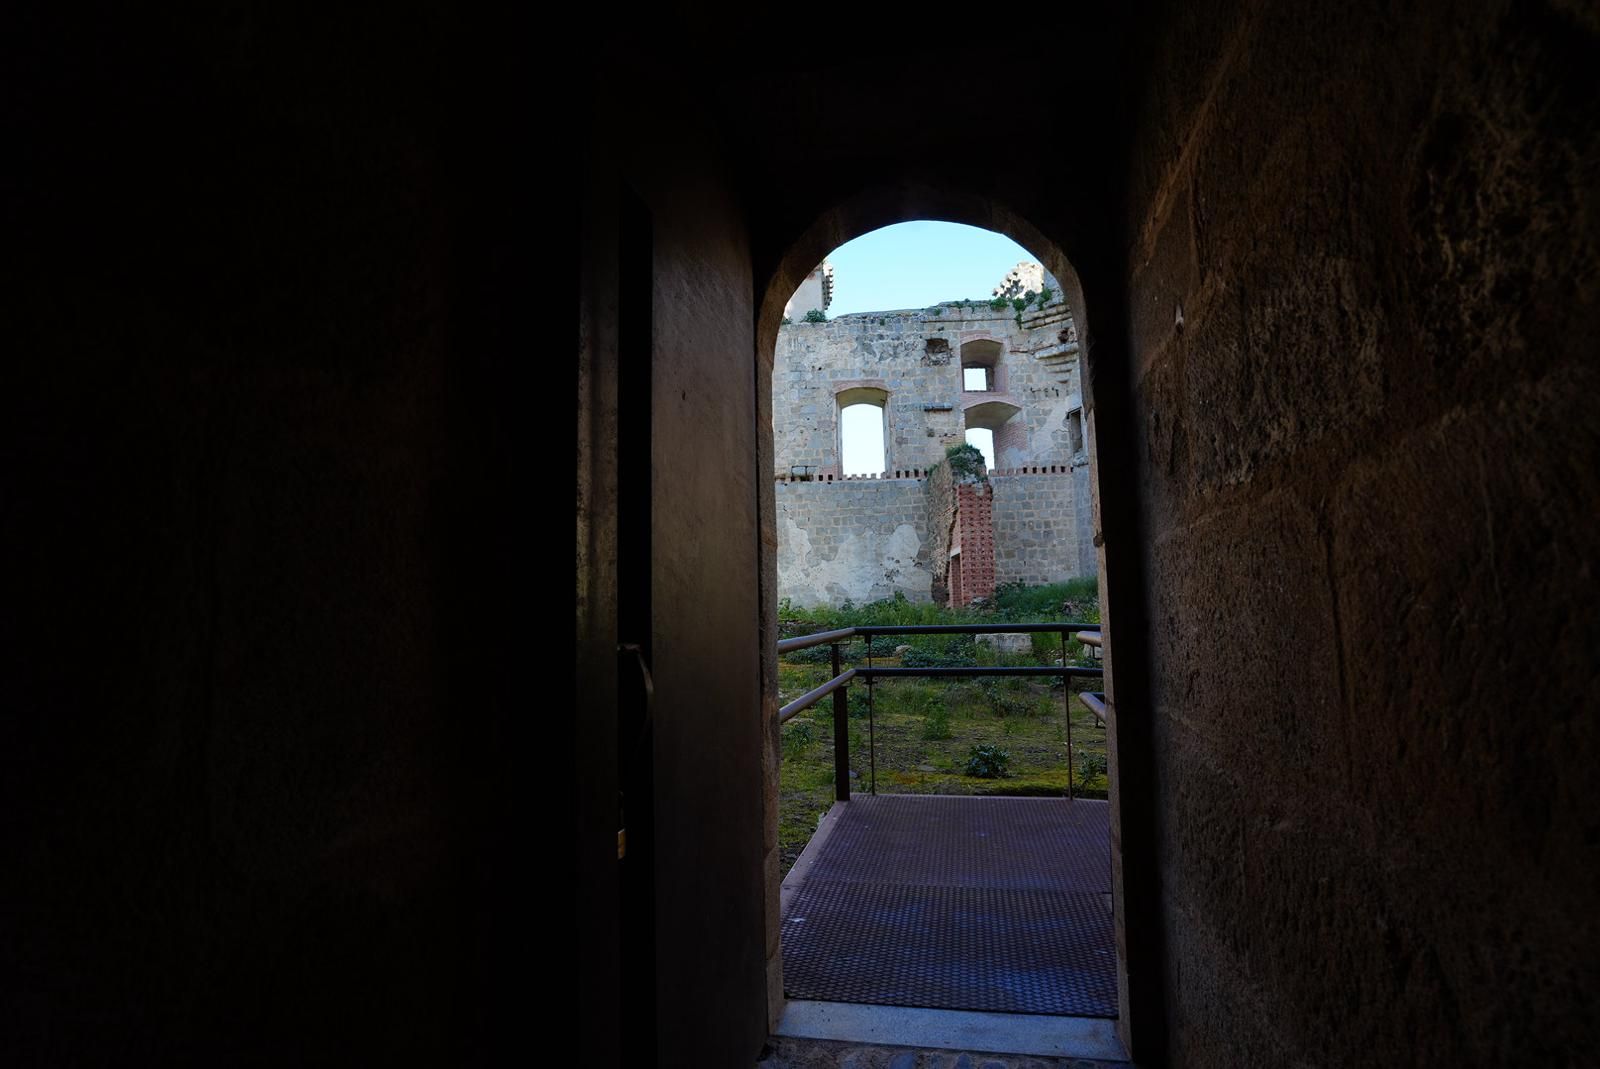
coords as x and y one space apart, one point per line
863 431
993 427
981 367
982 439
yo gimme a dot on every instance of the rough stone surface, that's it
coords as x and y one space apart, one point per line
855 541
1364 311
1007 643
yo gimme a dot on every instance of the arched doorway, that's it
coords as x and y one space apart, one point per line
865 213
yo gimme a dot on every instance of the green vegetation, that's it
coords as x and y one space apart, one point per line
1091 766
998 304
816 315
925 731
987 762
966 461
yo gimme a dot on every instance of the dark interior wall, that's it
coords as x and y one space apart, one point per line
668 499
266 571
1363 309
709 737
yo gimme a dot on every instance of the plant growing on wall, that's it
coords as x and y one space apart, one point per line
966 463
816 315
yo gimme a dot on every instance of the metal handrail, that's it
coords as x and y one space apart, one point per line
811 697
789 645
837 686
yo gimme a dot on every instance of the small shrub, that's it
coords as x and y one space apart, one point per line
966 461
1091 765
816 315
916 657
936 721
1045 295
797 737
998 303
1004 702
987 762
811 655
936 310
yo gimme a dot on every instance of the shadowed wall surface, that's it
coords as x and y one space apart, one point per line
1363 280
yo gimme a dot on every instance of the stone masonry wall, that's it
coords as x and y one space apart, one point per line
858 540
867 538
1034 516
915 356
1363 282
941 498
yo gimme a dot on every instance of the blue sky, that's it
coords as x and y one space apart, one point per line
914 265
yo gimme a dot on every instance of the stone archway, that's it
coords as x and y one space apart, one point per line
870 211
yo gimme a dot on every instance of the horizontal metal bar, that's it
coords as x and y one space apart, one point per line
801 642
974 629
811 697
1088 638
789 645
1024 670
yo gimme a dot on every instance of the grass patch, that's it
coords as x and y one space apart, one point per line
926 729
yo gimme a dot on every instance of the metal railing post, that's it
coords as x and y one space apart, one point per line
872 732
841 735
1066 705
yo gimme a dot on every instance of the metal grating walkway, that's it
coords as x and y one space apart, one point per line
998 904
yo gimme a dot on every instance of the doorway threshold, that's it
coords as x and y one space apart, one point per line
1037 1035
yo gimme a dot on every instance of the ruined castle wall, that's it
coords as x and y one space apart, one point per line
941 498
915 356
860 541
1083 516
864 539
1034 516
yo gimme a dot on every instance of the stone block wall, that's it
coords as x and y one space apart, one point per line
1363 318
1034 517
915 356
860 541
